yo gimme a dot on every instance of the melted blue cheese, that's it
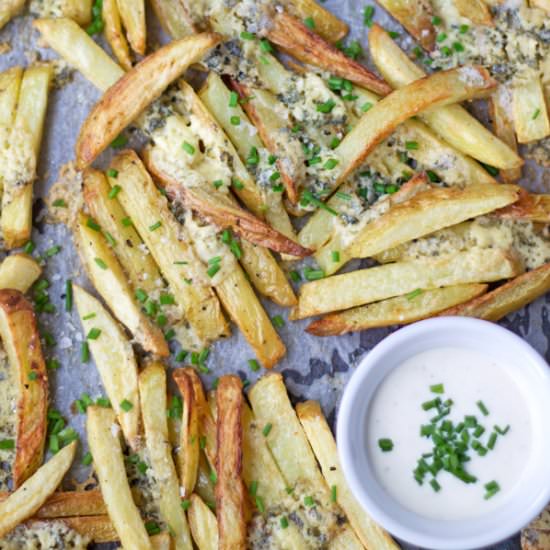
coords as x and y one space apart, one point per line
44 535
8 417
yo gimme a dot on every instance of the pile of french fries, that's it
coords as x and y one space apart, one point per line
186 235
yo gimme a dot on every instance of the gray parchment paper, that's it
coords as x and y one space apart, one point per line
314 368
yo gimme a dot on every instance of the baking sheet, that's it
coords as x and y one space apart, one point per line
314 368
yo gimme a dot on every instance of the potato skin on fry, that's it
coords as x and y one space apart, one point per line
230 492
21 340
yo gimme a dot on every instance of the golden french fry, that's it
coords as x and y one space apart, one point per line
78 10
416 17
10 84
128 97
506 298
189 450
529 206
291 35
111 282
19 272
476 11
173 18
21 340
28 498
80 51
114 359
230 492
9 9
202 522
529 110
325 23
461 130
400 310
379 283
132 13
152 390
114 35
322 442
110 469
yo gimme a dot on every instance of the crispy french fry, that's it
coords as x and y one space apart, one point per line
503 126
109 466
80 51
189 451
535 208
400 310
10 84
230 492
173 18
247 312
476 11
127 244
326 24
507 298
416 17
114 35
378 283
19 272
114 359
202 522
322 442
19 172
426 212
265 274
21 340
9 9
541 5
292 36
129 96
132 13
176 260
152 390
78 10
437 90
28 498
461 130
112 284
529 108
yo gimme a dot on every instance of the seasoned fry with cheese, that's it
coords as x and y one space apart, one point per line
21 340
19 272
325 23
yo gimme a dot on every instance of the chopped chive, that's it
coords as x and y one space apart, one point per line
326 107
313 274
53 251
309 23
427 405
119 142
94 334
308 501
59 203
115 190
330 164
7 444
367 106
536 114
335 142
265 46
309 198
463 29
393 34
100 263
278 321
295 276
217 183
479 431
492 441
253 157
233 99
52 364
491 488
335 256
413 294
167 299
33 375
85 352
458 47
126 405
385 444
182 354
188 148
87 459
435 485
491 169
235 120
152 528
502 431
267 429
68 295
437 388
213 476
29 247
333 490
155 226
112 173
126 222
411 145
482 408
185 504
103 402
237 184
110 239
92 224
368 14
245 35
272 159
283 522
213 269
254 365
141 295
253 489
441 37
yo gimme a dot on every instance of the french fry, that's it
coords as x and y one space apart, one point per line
9 9
416 17
99 528
230 492
173 18
19 272
19 172
152 390
438 90
503 126
326 24
531 207
529 110
202 522
265 274
536 535
114 359
292 36
80 51
10 84
78 10
176 260
541 5
30 496
132 13
130 95
476 11
111 282
379 283
424 213
128 246
507 298
322 442
400 310
189 451
460 129
21 340
109 466
114 34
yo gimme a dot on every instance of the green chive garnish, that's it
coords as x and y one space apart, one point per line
267 429
188 148
126 405
481 406
437 388
385 444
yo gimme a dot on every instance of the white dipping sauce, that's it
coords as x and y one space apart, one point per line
396 413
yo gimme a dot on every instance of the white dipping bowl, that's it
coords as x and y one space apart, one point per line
527 499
